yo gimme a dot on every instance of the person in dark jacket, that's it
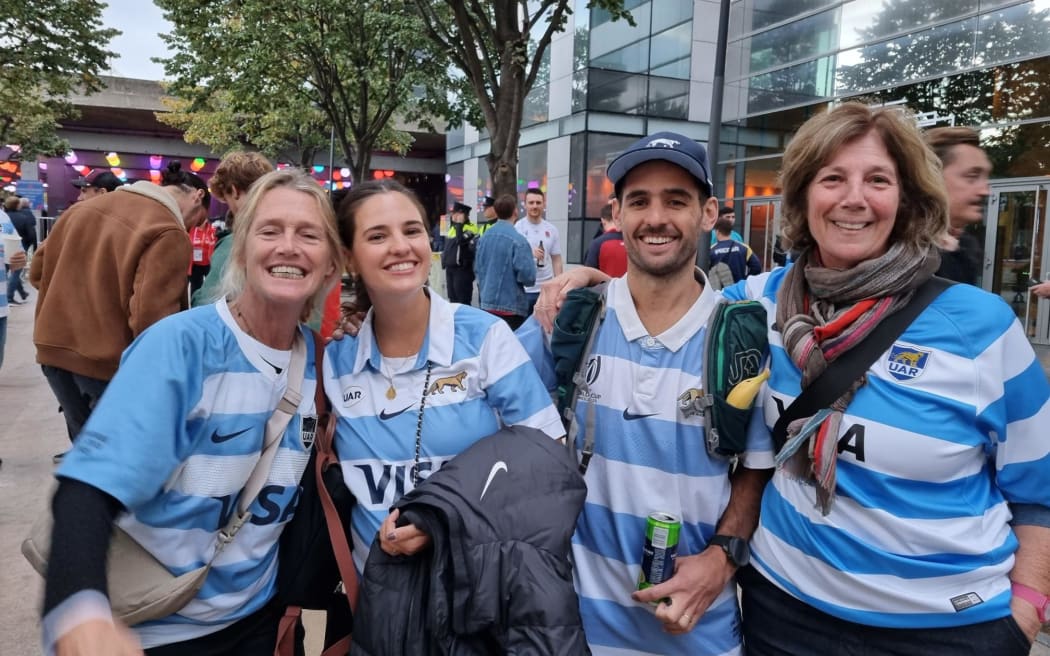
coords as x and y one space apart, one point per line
24 222
497 578
458 256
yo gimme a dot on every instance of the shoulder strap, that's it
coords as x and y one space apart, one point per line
275 425
571 342
841 373
326 457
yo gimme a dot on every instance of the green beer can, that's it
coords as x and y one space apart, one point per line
661 549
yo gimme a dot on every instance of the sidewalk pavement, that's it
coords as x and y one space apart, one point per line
31 432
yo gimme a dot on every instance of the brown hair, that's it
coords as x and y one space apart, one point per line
944 140
237 171
505 206
346 216
922 215
234 275
11 203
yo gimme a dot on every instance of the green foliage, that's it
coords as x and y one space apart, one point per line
268 68
48 50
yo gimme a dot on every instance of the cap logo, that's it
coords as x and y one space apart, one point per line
662 143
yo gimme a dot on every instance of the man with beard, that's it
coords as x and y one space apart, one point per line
966 169
649 452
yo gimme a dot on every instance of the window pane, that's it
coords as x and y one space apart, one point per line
536 105
798 84
577 178
601 150
923 54
668 98
532 167
453 185
632 59
672 45
609 91
751 15
611 36
1013 33
676 69
671 12
600 16
579 90
805 38
864 20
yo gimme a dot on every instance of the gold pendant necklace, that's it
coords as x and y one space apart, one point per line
391 392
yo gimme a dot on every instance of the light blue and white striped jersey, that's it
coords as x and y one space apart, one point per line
481 380
6 228
950 426
649 455
175 437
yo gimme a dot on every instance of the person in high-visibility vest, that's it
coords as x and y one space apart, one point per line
458 257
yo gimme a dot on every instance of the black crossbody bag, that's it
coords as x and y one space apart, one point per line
841 373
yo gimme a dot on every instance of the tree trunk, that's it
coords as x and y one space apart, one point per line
503 172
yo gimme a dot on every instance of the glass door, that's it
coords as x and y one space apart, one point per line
1015 242
762 227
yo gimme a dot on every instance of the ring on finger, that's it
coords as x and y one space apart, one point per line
686 619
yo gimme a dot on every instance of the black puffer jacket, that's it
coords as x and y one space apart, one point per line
497 577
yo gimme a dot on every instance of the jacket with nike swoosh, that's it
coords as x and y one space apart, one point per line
497 576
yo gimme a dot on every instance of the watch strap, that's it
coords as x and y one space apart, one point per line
720 540
1034 597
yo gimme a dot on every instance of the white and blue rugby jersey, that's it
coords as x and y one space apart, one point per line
481 380
649 455
175 437
950 427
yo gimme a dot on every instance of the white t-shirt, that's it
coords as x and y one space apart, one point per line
545 232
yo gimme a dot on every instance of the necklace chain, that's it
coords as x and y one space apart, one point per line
419 424
247 326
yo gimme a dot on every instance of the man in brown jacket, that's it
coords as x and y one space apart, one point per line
111 267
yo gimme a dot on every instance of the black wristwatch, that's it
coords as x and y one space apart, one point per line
736 549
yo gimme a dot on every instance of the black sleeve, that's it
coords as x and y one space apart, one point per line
84 517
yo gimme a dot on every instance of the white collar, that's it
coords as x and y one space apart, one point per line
677 335
437 343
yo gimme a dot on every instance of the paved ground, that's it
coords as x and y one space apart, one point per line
31 431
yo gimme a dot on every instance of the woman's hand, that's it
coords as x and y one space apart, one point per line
554 291
1042 290
401 541
1026 617
98 638
349 323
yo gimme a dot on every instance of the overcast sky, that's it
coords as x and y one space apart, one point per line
140 21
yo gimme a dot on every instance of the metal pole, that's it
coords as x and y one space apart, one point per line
331 161
714 133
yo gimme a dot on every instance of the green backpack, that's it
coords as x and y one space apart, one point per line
735 348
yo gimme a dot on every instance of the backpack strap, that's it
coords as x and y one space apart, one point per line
572 339
326 457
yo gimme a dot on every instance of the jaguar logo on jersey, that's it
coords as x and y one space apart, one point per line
906 362
308 431
352 395
690 402
452 383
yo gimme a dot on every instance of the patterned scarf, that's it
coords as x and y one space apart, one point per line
822 313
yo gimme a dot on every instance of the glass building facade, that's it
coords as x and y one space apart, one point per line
978 63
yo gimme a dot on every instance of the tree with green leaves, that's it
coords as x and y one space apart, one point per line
361 64
489 42
49 49
293 131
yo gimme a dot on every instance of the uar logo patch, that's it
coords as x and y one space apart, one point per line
906 362
308 431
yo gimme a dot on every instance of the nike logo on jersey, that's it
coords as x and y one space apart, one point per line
219 438
496 468
384 415
628 416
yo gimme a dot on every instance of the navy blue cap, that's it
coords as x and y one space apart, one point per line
460 207
669 147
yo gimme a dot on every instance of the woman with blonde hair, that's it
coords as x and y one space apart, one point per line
168 452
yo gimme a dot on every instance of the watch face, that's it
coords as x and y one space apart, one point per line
738 552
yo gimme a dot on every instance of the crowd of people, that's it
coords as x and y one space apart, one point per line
932 536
